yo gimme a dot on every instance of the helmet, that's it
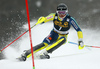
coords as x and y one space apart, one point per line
62 9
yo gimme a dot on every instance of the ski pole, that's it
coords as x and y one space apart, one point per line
15 39
40 20
85 45
92 46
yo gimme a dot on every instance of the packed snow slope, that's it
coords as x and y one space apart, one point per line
68 56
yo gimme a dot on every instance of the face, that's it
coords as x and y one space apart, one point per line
61 14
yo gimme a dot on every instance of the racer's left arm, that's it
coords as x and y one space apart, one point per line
79 33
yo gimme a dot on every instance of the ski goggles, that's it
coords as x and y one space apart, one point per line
62 12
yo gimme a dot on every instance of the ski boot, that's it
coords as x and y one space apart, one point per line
23 56
44 55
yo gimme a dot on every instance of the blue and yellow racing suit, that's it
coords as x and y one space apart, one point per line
59 33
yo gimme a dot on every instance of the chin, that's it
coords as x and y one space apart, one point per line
62 16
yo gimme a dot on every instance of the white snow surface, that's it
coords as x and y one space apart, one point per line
68 56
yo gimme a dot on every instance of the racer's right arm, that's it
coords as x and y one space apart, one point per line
50 17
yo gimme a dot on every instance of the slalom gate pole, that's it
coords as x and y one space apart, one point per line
85 45
30 33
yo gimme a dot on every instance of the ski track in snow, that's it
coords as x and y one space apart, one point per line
68 56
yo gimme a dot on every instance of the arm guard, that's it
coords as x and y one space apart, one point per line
40 20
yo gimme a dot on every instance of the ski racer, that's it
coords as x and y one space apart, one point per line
58 36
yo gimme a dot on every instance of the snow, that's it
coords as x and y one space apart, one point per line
68 56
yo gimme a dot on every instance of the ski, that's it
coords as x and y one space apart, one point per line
67 55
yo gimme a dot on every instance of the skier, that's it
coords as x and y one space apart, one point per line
58 36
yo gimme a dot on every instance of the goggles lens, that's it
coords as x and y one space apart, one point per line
61 12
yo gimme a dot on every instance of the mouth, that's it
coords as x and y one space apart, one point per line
62 15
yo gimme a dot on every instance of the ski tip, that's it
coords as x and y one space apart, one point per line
18 59
21 58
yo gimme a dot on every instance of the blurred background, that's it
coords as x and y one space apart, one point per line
13 15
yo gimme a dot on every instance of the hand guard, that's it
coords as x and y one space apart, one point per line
40 20
80 44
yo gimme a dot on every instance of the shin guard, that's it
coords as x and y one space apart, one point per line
56 45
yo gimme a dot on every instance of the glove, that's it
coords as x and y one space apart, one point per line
40 20
80 44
